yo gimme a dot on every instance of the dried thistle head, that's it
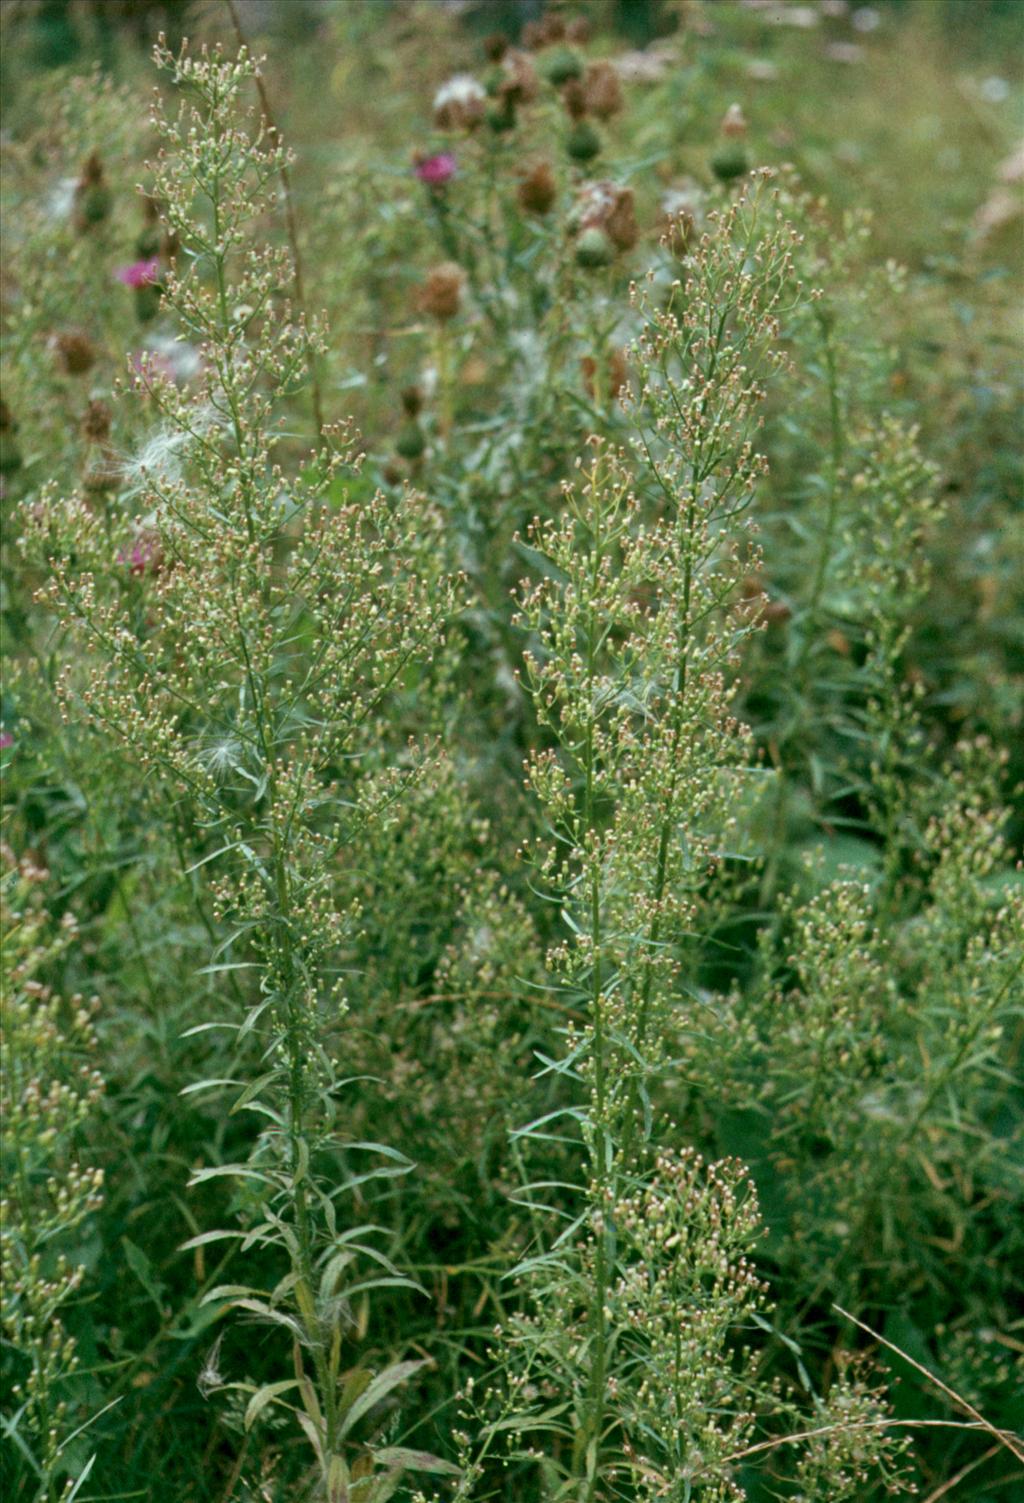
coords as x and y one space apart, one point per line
602 91
440 297
460 103
75 351
538 189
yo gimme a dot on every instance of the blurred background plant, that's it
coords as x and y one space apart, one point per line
477 192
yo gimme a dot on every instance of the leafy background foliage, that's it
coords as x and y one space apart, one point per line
512 738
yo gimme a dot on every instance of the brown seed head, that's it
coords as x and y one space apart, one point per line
615 373
441 294
520 84
459 104
412 400
602 91
92 171
620 225
574 99
96 422
75 351
538 189
734 123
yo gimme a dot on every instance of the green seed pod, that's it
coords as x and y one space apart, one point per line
593 248
411 441
583 143
730 162
561 65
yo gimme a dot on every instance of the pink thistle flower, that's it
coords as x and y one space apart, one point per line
437 170
144 556
6 740
139 273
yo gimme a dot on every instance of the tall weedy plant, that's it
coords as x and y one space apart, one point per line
49 1088
256 647
636 626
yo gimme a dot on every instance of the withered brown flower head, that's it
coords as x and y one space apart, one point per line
460 103
574 99
602 91
520 83
412 400
440 296
76 352
607 206
96 422
538 189
615 373
620 225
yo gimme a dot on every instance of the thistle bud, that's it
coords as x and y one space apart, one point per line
561 65
495 46
730 162
412 401
538 189
594 249
583 143
441 294
411 441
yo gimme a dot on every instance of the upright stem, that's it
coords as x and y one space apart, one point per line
837 445
297 1054
837 449
599 1335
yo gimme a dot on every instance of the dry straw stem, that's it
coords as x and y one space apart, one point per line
1013 1443
293 234
958 1477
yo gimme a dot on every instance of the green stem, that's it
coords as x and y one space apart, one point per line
597 1321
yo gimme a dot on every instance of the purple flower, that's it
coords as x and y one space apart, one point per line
139 273
437 170
144 556
6 740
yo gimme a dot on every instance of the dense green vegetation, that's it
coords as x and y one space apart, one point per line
512 735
